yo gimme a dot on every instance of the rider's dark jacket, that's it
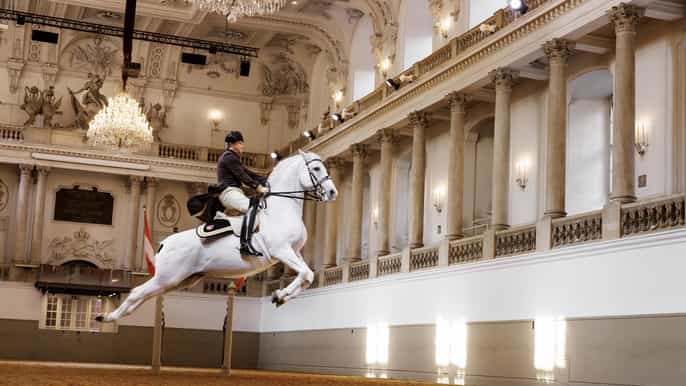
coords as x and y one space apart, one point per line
231 173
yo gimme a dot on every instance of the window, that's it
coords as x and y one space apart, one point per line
71 312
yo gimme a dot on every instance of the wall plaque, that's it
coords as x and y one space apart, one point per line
84 206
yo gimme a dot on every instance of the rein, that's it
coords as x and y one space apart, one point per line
313 194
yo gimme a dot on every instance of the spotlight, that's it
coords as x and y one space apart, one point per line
21 20
275 156
518 6
309 134
392 83
337 117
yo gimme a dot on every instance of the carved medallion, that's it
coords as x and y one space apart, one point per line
80 247
4 195
168 211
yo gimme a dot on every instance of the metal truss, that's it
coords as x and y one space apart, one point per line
77 25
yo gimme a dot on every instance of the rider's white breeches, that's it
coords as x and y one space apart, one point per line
235 198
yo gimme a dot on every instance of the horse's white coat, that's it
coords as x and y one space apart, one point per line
184 257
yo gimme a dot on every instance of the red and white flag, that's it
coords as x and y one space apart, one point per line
148 249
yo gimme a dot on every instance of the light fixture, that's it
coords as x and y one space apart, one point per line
120 124
438 194
309 134
384 66
337 117
275 156
375 217
444 26
641 141
236 9
522 173
392 83
215 117
519 6
550 341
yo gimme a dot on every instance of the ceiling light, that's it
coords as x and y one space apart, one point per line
120 124
236 9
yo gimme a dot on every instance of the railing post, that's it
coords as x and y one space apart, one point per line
612 221
322 278
544 229
489 244
203 154
155 149
346 273
405 260
444 253
373 267
453 48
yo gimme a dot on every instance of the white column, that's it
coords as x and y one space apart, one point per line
134 211
387 137
39 214
625 18
22 213
503 79
454 217
355 240
334 166
419 120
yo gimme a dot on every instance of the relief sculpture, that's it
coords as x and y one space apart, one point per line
80 247
284 76
43 103
91 102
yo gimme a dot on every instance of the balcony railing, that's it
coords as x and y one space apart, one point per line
11 133
333 276
515 241
388 265
653 215
577 229
423 258
466 250
359 271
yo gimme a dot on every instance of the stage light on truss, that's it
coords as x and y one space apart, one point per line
309 134
392 83
275 156
518 6
337 117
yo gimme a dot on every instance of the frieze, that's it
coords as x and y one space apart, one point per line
4 195
80 247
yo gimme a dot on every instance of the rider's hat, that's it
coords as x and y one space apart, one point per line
233 137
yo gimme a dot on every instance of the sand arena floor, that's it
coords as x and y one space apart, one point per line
61 375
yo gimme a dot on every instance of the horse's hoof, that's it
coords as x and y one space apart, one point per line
275 298
100 318
280 303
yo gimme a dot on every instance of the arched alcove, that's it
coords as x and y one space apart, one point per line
483 171
415 34
400 202
589 146
362 59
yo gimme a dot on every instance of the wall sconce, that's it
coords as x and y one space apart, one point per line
444 26
641 140
375 217
522 173
215 117
384 66
338 98
438 196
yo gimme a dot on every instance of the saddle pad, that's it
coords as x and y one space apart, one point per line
204 231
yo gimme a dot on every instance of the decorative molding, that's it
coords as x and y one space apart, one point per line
95 54
558 50
168 211
266 112
503 78
293 110
283 76
458 101
419 119
625 17
80 247
4 195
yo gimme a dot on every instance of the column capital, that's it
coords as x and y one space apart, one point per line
458 101
387 135
25 169
503 78
359 150
135 180
558 50
43 170
419 119
625 17
152 182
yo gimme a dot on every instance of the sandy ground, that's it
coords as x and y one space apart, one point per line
22 374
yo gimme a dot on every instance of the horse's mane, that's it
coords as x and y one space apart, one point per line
285 164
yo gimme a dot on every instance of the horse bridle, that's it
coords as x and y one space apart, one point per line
316 193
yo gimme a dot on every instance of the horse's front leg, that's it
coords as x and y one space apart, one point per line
304 277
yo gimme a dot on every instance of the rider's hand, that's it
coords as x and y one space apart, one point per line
262 190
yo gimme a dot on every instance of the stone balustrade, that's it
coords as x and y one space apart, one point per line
653 215
390 264
577 229
11 133
437 58
359 271
333 276
515 241
465 250
422 258
184 152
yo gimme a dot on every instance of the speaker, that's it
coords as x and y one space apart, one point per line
245 67
44 36
193 58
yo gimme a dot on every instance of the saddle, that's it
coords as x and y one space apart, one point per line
209 209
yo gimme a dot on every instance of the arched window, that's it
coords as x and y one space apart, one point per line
416 32
362 60
589 144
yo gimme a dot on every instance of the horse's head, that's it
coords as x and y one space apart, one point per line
314 176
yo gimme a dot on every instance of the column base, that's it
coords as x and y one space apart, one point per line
625 199
327 266
351 260
555 213
499 227
415 245
382 253
452 237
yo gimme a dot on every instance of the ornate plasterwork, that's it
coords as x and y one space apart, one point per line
266 112
155 61
4 195
320 8
285 42
80 247
95 54
168 211
283 76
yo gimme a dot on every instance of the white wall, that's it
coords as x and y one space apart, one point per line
480 10
415 35
362 60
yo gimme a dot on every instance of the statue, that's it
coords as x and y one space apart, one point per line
157 119
43 103
91 102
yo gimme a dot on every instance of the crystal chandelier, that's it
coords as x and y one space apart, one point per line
121 124
235 9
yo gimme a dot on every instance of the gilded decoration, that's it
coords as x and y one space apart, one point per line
4 195
168 211
80 247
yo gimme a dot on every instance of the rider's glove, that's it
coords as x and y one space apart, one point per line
262 190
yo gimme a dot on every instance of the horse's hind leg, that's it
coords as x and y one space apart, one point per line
137 296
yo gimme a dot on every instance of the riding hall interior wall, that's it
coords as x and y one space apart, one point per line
192 337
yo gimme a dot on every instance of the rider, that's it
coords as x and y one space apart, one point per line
231 174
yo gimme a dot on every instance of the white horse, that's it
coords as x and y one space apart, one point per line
184 258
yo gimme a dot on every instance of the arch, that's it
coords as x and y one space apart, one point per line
362 60
415 34
589 141
81 262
